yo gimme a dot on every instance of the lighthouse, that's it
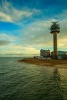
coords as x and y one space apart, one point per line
54 29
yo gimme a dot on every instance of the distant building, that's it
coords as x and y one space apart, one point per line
61 54
45 53
64 56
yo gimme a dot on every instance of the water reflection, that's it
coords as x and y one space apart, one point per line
56 75
54 88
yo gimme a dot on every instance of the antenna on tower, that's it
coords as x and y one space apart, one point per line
55 22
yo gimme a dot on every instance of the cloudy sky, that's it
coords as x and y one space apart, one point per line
24 25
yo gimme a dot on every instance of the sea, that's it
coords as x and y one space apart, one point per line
22 81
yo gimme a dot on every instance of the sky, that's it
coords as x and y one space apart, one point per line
25 24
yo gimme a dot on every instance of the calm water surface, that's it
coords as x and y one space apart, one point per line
20 81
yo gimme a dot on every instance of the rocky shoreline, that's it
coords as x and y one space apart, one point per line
46 62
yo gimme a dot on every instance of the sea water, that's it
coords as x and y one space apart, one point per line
21 81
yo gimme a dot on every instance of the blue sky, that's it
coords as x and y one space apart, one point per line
24 25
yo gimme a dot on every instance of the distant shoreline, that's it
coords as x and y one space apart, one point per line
46 62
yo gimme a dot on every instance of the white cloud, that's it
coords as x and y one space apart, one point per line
5 17
62 36
38 35
9 45
10 38
10 14
34 36
62 42
18 49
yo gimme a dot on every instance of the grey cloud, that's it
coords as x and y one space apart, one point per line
4 42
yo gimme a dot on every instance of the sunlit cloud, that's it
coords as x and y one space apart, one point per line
10 14
18 49
5 17
38 34
7 37
62 42
33 33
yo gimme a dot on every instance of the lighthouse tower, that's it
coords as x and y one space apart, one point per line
54 29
